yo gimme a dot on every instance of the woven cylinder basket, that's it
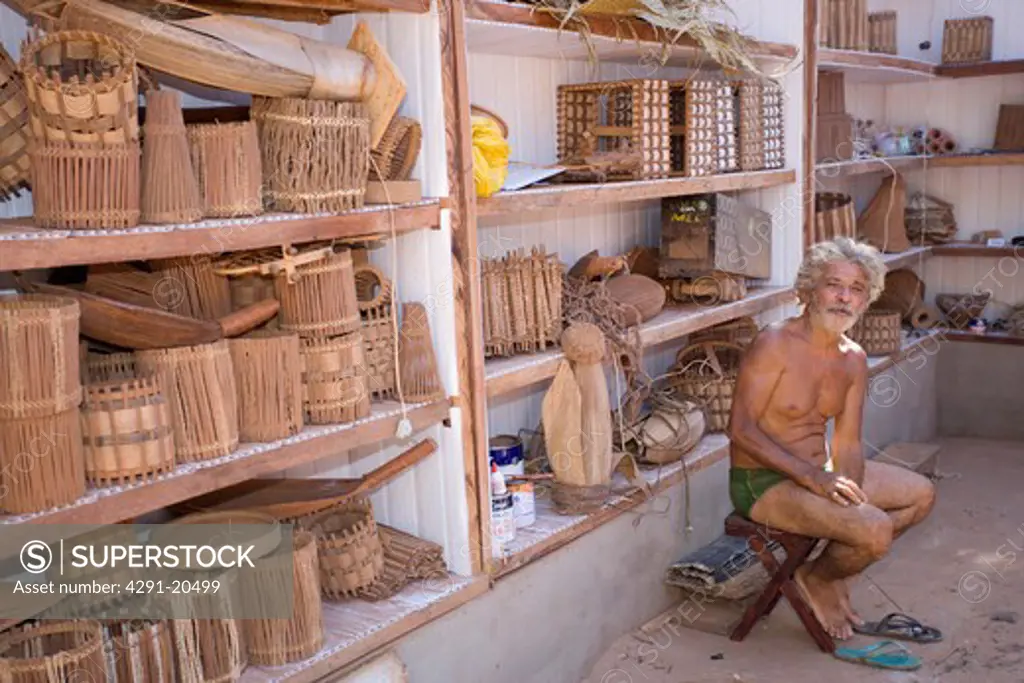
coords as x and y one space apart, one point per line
209 650
335 388
319 299
374 293
53 652
878 332
139 651
226 161
268 377
350 551
706 373
190 287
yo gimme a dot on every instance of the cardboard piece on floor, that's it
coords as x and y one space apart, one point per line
701 612
920 457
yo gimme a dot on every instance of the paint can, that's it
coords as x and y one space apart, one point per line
523 503
506 451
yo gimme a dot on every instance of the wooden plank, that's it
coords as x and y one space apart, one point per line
634 31
873 66
855 167
972 250
1000 68
987 338
976 160
114 504
356 628
561 530
560 196
509 374
809 141
24 247
466 271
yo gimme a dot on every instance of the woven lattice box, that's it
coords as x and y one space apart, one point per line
967 41
760 124
53 652
15 132
617 116
878 332
350 550
702 118
834 216
522 302
844 24
316 153
882 32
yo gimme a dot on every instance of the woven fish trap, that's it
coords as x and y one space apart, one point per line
273 642
268 376
334 381
395 156
373 291
41 463
82 88
109 367
350 551
417 361
191 287
139 651
170 192
199 382
316 153
15 132
53 652
127 431
226 161
878 331
39 356
209 650
706 372
320 299
85 187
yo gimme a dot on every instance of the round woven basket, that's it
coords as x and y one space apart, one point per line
226 161
878 332
82 88
268 376
350 551
209 650
706 372
395 156
15 132
315 153
53 652
320 300
39 355
41 463
127 431
335 386
139 651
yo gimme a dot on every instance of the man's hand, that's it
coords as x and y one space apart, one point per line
837 488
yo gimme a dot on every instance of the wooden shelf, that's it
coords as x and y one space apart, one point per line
1003 68
855 167
505 375
552 530
972 250
497 27
908 343
356 628
978 159
560 196
990 337
24 247
874 67
117 503
911 257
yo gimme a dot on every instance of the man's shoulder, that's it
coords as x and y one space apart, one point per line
856 357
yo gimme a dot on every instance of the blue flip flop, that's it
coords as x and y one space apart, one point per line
887 654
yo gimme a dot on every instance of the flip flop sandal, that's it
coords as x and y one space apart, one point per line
887 654
900 627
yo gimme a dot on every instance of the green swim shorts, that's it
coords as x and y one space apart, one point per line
747 485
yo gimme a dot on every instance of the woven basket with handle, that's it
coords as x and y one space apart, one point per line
707 373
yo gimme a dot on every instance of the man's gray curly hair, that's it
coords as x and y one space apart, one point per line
841 249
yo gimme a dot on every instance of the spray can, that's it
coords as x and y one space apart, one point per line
503 519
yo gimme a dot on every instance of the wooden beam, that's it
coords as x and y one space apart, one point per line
1001 338
977 160
466 267
850 60
972 250
1001 68
808 151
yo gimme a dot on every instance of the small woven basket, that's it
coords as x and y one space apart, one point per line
139 651
315 153
273 642
320 300
200 385
878 332
226 161
395 157
39 355
53 652
109 367
268 376
960 308
190 287
15 133
374 293
351 556
209 650
707 373
335 388
41 462
572 500
127 431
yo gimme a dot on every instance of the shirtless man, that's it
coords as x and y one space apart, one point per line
795 376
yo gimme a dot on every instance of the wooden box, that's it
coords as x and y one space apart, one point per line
705 233
702 127
844 24
834 139
966 41
831 92
1010 129
882 32
614 117
761 128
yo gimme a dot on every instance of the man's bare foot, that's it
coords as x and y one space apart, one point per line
823 598
843 589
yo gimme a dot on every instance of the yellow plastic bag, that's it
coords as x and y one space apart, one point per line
490 156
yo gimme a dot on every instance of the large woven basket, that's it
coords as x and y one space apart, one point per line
41 465
706 372
226 161
268 376
139 651
15 132
319 300
878 332
53 652
350 551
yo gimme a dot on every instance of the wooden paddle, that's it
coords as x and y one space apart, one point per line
138 327
291 498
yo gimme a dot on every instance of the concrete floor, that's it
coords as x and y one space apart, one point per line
958 571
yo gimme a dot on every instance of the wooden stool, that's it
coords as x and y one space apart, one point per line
781 578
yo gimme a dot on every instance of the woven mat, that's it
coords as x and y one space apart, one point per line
727 565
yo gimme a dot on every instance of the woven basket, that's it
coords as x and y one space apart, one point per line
139 651
374 293
395 157
209 650
834 216
350 551
85 188
904 292
226 161
316 153
578 500
82 88
273 642
960 308
268 376
321 301
707 372
15 132
41 463
335 388
39 358
170 192
53 652
878 332
190 287
109 367
200 385
127 432
250 289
